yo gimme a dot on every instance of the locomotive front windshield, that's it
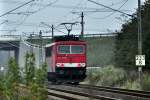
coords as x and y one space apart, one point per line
64 49
70 49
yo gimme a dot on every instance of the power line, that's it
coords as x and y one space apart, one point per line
70 12
23 19
45 6
53 27
34 13
113 11
22 13
110 8
5 21
16 8
54 6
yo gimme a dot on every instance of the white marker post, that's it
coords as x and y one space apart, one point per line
140 62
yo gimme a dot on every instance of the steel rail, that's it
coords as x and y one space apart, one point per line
137 93
82 94
62 96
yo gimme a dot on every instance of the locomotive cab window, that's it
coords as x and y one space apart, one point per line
48 51
76 49
70 49
64 49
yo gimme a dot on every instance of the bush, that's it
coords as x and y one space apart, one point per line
106 76
33 77
133 85
146 82
9 81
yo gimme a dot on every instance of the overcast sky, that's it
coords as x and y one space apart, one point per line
28 18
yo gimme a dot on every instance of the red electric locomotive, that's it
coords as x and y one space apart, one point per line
66 59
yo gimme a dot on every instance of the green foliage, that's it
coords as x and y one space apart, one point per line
41 75
13 70
133 85
38 92
29 67
38 87
127 40
34 78
9 81
106 76
146 82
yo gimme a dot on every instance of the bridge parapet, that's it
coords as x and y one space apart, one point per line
10 37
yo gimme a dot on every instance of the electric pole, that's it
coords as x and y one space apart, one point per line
31 48
40 49
52 28
82 24
139 38
52 31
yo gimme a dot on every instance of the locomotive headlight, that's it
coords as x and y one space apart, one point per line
58 64
82 64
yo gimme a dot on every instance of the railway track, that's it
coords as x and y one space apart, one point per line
101 93
145 94
76 95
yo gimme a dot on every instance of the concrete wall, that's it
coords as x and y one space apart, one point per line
24 48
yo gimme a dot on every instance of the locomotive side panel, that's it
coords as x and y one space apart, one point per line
50 60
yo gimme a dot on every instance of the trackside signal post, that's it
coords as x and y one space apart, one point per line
140 58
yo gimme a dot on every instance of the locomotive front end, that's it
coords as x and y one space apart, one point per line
71 61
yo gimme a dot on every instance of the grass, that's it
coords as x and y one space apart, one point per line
117 77
106 76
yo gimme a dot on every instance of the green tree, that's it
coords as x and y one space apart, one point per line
35 78
29 68
10 81
127 40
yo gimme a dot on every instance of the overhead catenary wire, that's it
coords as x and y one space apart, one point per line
16 8
51 27
70 12
60 7
5 21
54 6
29 14
22 13
110 8
24 17
49 4
112 12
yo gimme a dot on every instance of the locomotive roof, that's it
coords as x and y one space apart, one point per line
66 38
65 42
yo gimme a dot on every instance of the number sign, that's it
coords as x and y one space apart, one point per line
140 60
